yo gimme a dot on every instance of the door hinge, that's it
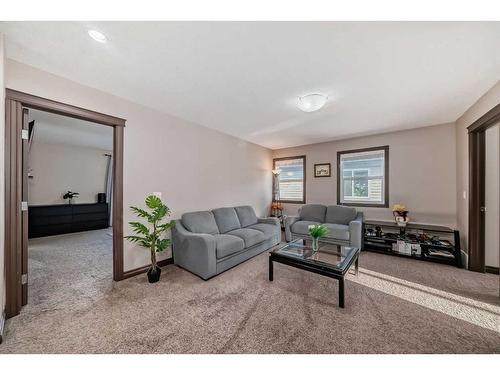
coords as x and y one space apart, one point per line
24 278
24 134
482 209
24 206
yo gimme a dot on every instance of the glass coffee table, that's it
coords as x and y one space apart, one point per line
331 260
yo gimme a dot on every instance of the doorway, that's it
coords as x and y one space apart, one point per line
18 106
483 188
70 242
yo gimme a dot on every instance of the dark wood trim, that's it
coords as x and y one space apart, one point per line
138 271
14 103
303 157
24 214
476 200
386 176
329 169
118 203
13 266
493 270
477 184
490 118
375 205
47 105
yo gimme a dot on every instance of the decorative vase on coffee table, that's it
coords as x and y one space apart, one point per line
315 244
316 232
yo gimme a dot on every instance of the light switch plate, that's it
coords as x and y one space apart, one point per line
157 193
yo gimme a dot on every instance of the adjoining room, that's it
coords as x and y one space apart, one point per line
70 248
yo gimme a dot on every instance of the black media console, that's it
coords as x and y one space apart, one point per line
55 219
419 241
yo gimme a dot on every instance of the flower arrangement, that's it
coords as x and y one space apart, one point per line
400 213
276 206
316 232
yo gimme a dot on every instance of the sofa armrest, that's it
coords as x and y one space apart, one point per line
356 231
269 220
289 221
274 221
194 251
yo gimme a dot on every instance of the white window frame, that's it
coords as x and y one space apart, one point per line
353 180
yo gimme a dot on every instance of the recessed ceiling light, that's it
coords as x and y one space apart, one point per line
312 102
98 36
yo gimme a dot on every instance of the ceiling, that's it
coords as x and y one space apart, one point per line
243 78
52 128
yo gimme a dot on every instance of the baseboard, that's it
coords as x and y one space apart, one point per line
2 325
138 271
494 270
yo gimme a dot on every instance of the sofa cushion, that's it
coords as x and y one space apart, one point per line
226 219
338 231
226 245
340 215
200 222
250 236
302 226
269 230
246 215
313 212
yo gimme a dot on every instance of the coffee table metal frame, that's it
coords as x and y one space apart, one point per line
320 268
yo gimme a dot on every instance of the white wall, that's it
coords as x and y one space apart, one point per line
485 103
194 167
2 179
421 172
57 168
492 198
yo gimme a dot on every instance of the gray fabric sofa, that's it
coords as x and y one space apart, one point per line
344 223
210 242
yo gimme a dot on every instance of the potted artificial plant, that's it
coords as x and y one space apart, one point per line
70 195
149 235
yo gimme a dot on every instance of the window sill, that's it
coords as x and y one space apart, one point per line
362 204
294 202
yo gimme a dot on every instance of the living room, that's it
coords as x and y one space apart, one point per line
325 138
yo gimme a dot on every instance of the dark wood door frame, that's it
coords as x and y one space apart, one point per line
477 157
15 103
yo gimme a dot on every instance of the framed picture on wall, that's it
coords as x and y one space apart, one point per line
322 170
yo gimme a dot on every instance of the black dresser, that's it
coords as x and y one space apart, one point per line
65 218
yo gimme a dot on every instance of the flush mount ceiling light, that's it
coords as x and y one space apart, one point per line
311 102
97 36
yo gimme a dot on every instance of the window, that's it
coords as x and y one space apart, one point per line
291 179
363 177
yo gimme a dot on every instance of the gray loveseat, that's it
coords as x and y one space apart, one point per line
344 223
210 242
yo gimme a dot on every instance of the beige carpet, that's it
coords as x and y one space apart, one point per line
395 305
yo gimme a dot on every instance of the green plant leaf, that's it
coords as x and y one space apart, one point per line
159 213
164 227
140 212
140 240
318 230
139 228
153 202
162 244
